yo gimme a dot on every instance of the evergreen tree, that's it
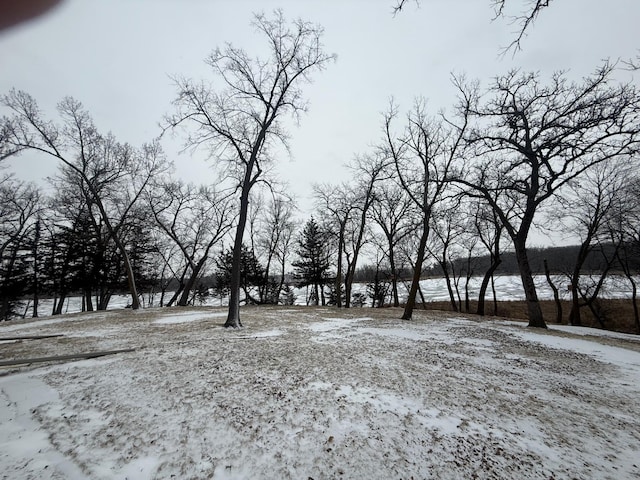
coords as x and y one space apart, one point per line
313 265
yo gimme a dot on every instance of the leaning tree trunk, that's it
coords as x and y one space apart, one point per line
526 275
184 298
417 273
495 262
133 290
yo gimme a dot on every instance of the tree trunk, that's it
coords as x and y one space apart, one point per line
574 314
36 270
281 282
495 262
417 273
338 285
60 304
634 302
133 289
87 302
233 316
447 278
556 297
394 276
495 297
533 305
184 298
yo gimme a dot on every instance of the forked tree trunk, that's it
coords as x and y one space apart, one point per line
447 278
184 298
574 314
495 262
417 273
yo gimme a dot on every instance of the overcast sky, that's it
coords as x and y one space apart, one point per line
118 56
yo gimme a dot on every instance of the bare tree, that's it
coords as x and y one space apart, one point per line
489 230
446 230
423 155
626 221
392 212
346 209
274 240
532 139
240 122
20 205
584 209
337 208
195 219
114 175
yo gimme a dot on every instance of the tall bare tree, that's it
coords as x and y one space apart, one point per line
532 139
274 239
241 120
423 154
113 175
392 210
446 230
488 228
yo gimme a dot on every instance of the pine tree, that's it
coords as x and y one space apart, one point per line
313 265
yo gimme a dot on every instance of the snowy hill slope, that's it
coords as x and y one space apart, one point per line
318 393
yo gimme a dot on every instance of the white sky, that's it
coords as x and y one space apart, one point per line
117 56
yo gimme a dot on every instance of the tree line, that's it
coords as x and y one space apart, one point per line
442 188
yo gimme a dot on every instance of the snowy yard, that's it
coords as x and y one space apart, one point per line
318 393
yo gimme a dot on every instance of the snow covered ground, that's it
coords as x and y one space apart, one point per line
318 393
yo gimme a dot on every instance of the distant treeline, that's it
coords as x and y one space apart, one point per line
559 259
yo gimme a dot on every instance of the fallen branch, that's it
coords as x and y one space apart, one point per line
57 358
29 337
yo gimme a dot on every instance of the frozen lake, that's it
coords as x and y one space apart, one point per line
508 287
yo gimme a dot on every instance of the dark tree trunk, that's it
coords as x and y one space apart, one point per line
88 301
36 270
533 305
184 298
495 297
417 273
394 276
488 276
447 278
60 304
233 317
556 297
634 302
574 314
338 284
